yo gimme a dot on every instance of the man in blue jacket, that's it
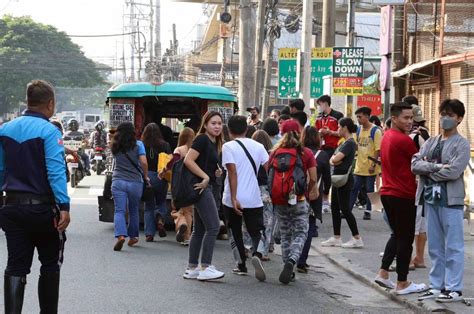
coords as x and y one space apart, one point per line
35 213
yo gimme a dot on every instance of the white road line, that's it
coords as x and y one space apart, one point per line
96 190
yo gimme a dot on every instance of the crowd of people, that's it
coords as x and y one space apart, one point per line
260 182
281 174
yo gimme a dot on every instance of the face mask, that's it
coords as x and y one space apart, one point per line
253 116
448 123
320 109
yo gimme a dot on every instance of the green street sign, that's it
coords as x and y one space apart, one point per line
321 65
287 70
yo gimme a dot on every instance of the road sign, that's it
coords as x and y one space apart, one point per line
348 71
386 30
374 102
287 70
321 65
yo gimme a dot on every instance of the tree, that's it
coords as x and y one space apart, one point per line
30 50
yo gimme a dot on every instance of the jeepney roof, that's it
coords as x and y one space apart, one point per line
174 89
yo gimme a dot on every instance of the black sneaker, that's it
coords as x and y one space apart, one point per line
277 240
181 231
430 294
240 270
450 296
286 273
302 269
366 216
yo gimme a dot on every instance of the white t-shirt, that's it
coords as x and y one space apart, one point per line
248 191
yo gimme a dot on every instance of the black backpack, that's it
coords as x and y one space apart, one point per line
182 185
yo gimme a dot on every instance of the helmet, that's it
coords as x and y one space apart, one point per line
99 126
73 125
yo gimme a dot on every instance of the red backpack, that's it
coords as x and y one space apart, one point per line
285 171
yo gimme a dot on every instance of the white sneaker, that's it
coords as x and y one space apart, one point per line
210 273
326 207
449 296
353 243
332 241
191 273
384 283
412 288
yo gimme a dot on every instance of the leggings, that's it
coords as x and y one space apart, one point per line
340 203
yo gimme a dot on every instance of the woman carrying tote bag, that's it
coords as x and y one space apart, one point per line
342 181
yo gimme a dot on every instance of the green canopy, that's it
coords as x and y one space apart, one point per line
171 89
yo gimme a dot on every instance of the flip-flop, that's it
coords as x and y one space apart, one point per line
412 288
420 266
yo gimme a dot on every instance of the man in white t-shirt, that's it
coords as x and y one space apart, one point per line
243 158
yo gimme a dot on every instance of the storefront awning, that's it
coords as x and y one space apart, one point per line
413 67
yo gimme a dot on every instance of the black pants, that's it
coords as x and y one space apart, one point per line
401 214
253 218
28 227
340 200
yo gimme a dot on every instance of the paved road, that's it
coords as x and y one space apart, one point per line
148 278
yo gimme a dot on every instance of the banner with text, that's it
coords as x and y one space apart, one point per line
348 71
321 65
121 113
287 70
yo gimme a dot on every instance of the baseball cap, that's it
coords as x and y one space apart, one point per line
289 126
252 108
417 114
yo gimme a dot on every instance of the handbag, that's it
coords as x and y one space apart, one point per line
148 193
314 193
339 180
182 185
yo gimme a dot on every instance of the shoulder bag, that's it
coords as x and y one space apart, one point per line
148 192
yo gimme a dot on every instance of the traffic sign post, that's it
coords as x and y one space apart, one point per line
348 71
287 70
321 65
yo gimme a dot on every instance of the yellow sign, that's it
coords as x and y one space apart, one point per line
287 53
344 91
321 53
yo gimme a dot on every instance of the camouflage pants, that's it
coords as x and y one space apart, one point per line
293 229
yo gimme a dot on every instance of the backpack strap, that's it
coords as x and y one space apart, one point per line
373 130
248 156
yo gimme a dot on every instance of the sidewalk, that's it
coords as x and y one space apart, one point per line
364 263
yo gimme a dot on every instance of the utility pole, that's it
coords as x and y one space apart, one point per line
151 31
306 47
158 30
350 43
269 60
329 23
132 55
246 94
139 50
224 52
259 51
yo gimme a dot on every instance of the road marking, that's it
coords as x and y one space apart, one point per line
96 190
70 190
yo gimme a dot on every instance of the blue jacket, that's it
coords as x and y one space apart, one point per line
32 158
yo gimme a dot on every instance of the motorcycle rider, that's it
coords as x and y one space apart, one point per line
74 133
99 136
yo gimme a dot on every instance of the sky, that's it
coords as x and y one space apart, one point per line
99 17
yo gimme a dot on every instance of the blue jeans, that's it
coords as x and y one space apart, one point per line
127 195
156 205
359 182
206 225
445 247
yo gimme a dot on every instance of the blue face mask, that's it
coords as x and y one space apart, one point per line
448 123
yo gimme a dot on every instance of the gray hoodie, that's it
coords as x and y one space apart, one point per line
455 158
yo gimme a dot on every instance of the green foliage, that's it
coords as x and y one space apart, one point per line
30 50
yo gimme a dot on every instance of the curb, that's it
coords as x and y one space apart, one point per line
367 276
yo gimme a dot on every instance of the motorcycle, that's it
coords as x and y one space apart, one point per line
74 162
99 160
